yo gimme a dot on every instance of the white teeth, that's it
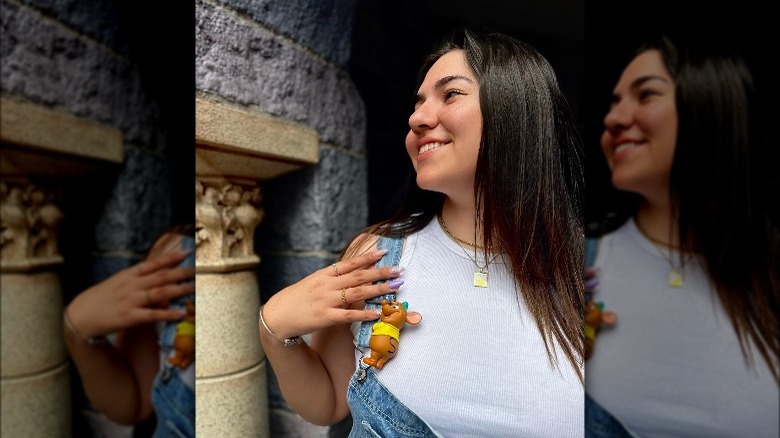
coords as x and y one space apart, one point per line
624 146
429 146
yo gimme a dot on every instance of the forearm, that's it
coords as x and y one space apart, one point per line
108 379
305 382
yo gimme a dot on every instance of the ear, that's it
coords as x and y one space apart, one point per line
413 318
384 302
609 318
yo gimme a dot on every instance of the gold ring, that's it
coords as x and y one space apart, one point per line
335 269
344 297
146 294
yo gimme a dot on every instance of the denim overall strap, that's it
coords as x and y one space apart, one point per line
173 400
174 405
599 423
394 246
591 250
169 331
377 413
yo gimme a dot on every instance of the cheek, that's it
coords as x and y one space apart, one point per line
661 123
606 145
411 147
465 123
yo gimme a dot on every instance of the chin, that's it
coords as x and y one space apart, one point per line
430 183
629 183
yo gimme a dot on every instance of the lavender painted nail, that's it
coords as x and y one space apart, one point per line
395 284
590 284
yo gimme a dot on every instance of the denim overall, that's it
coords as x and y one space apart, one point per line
173 400
599 423
375 411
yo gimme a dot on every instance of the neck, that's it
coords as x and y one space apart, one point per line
461 220
654 221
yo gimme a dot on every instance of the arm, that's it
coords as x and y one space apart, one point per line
314 379
117 379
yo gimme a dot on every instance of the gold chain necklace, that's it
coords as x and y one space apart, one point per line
447 230
676 278
481 276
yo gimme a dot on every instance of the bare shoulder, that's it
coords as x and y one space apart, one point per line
361 244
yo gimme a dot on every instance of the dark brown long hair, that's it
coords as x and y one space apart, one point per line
528 185
719 190
722 186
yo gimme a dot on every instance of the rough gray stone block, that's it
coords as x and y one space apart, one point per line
99 19
52 65
139 208
247 64
317 208
325 26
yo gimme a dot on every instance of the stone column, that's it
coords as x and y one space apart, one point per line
39 144
34 362
230 369
235 148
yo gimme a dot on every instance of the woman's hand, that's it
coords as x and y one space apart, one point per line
133 296
332 295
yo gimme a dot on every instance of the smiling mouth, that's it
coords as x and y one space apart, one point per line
430 146
626 146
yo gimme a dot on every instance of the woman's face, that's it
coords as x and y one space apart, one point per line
446 127
641 127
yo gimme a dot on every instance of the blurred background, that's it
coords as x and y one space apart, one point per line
96 147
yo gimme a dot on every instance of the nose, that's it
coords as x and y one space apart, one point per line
619 116
424 117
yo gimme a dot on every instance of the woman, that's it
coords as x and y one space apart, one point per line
488 248
692 269
150 364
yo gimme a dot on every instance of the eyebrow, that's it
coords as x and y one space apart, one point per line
638 82
441 83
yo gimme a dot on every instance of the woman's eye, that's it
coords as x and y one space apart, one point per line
450 93
646 93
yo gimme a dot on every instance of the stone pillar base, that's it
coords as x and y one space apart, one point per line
47 395
236 404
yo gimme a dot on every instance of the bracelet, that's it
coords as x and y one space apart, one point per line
97 340
295 340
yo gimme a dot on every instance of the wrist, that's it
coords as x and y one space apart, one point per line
73 333
286 342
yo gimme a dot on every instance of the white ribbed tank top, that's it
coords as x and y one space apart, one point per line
476 365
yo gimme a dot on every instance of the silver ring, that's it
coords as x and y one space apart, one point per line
336 269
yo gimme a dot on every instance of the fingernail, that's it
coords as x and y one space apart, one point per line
380 252
396 270
395 284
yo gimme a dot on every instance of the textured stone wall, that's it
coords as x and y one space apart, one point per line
77 57
77 62
288 59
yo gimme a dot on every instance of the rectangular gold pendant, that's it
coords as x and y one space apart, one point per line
676 278
480 279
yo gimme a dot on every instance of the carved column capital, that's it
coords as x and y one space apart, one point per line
226 214
29 219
